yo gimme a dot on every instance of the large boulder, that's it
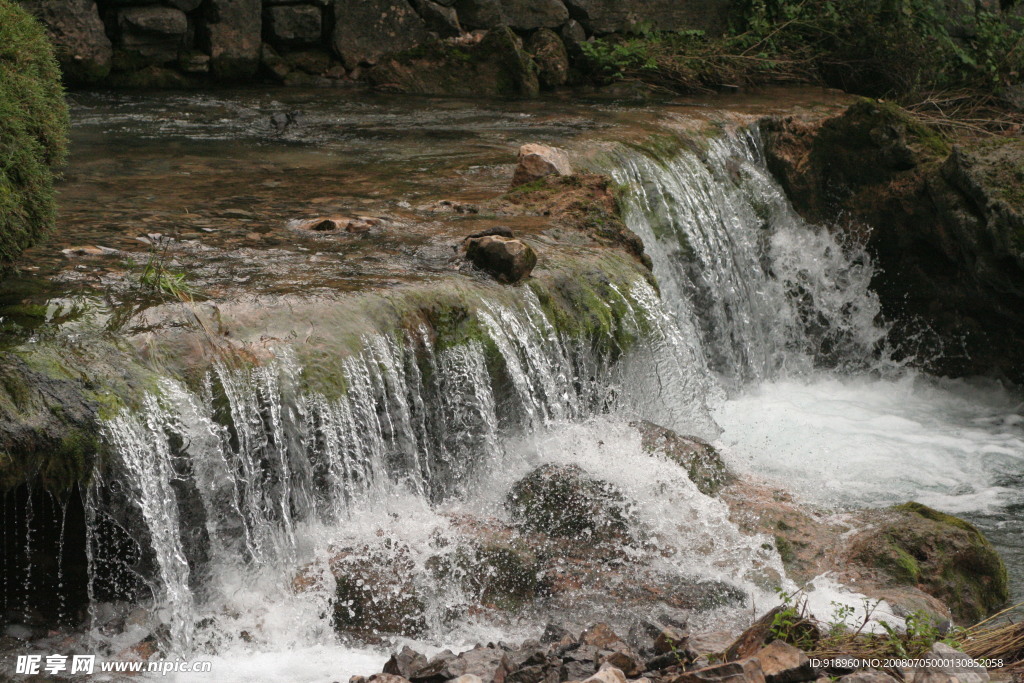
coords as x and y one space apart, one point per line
509 260
615 16
944 555
564 501
77 31
496 66
551 57
946 227
234 38
33 131
365 31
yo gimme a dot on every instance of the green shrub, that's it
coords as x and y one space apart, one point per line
33 131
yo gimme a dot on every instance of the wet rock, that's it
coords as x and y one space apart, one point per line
497 230
741 671
493 571
624 661
536 161
405 663
154 33
442 20
783 663
273 64
868 676
313 61
945 664
756 636
375 591
551 57
508 260
565 501
81 42
942 554
233 38
194 62
387 678
556 634
527 15
293 24
700 459
365 31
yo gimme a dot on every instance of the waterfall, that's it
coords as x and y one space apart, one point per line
233 485
768 293
237 471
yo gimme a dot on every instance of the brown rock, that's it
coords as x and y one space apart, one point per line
741 671
607 674
81 42
671 639
387 678
337 224
783 663
405 663
602 637
869 676
508 260
536 161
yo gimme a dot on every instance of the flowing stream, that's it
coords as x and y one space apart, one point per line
765 338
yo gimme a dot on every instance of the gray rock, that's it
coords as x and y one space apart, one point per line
702 462
156 33
405 663
614 16
185 5
365 31
444 21
293 24
551 57
573 35
74 26
489 664
233 37
526 15
565 501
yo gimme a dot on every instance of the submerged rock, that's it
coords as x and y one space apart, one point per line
508 260
351 224
536 161
944 555
565 501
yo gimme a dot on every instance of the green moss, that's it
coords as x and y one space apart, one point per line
785 548
936 516
33 131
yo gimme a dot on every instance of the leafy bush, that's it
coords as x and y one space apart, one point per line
33 131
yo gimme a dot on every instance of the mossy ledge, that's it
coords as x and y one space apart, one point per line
33 132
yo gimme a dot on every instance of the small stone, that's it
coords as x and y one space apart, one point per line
508 260
468 678
387 678
536 161
946 664
783 663
601 636
627 662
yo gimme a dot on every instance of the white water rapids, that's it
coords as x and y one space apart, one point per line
770 323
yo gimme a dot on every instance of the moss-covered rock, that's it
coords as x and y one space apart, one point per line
701 461
945 224
564 501
943 555
33 131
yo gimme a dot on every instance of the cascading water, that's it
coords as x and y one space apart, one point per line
788 321
236 489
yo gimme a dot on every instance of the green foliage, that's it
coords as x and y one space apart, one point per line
33 131
899 48
159 279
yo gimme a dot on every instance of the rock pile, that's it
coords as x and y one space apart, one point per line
656 653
